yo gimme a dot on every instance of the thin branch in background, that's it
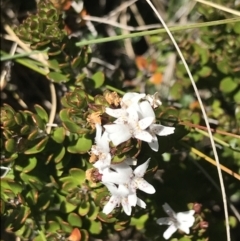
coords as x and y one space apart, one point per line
174 28
15 38
6 170
6 72
140 20
42 59
53 107
210 160
119 25
220 7
103 63
204 116
123 6
127 42
212 130
232 207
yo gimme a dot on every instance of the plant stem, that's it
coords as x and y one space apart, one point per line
158 31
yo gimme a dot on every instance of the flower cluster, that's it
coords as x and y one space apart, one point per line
121 181
134 119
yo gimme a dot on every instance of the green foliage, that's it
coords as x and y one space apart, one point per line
48 192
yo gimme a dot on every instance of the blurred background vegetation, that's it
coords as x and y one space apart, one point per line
45 193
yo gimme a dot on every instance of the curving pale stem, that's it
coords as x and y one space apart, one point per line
204 116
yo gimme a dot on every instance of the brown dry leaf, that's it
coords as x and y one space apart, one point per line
75 235
156 78
141 63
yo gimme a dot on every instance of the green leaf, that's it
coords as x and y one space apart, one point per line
66 227
33 135
18 118
84 208
205 71
98 79
38 121
38 147
58 134
32 180
68 123
41 112
236 27
105 218
78 174
95 227
75 220
93 211
68 186
57 77
25 130
236 97
81 146
53 226
32 162
7 183
44 200
65 206
11 145
227 85
139 222
59 154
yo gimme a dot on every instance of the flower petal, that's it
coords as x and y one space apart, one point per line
114 177
154 144
168 210
168 233
146 187
112 188
118 133
126 206
98 133
143 135
164 221
132 199
161 130
131 98
141 169
141 203
123 168
132 116
112 128
146 110
111 204
103 163
145 122
115 112
186 220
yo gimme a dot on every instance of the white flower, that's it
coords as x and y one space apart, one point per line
133 127
182 221
119 196
130 99
101 149
117 173
122 182
137 182
160 130
144 109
